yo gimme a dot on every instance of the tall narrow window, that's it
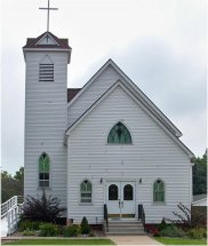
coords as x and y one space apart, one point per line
119 134
46 72
44 166
158 191
86 191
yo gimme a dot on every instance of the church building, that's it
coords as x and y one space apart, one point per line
106 143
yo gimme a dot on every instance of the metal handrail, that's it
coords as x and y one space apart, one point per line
141 214
106 215
10 211
12 202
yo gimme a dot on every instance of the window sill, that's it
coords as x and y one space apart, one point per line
85 204
119 144
44 188
159 204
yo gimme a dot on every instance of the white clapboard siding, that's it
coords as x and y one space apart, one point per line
45 124
92 93
152 155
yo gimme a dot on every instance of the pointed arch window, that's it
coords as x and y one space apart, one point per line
119 134
44 168
86 191
159 191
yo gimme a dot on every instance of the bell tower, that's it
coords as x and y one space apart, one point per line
46 58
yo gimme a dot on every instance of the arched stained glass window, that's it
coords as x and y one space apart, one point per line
158 191
119 134
44 168
86 191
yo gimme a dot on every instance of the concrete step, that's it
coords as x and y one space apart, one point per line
125 228
125 225
125 233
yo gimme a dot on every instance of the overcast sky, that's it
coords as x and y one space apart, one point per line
159 44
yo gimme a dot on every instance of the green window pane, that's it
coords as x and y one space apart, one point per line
158 191
119 134
86 191
44 163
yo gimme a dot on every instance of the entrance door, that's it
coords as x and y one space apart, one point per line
121 199
114 198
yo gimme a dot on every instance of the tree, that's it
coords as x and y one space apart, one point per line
10 185
200 175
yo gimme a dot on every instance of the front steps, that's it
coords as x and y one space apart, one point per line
124 227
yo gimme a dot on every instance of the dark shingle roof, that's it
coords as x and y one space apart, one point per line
71 93
62 42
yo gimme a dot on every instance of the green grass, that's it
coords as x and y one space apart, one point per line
180 241
61 242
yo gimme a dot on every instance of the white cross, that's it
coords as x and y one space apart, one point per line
48 9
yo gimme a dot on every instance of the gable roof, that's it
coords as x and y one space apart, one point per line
61 43
71 93
129 92
135 90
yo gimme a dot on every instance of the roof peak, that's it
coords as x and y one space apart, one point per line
47 40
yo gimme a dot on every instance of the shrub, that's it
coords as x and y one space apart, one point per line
48 230
183 217
71 231
152 229
197 233
29 233
91 234
85 228
46 209
162 225
28 225
172 231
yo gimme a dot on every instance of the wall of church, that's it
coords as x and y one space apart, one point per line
97 88
152 155
45 124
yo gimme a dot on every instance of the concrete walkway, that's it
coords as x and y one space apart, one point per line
134 240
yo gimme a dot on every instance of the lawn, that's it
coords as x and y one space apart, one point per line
180 241
61 242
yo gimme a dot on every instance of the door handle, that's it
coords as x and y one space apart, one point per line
122 204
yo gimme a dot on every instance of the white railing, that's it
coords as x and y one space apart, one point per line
10 210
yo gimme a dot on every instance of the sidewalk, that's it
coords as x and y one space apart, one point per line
133 240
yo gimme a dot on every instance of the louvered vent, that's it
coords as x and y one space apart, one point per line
46 72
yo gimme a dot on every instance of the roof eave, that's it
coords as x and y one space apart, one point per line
68 50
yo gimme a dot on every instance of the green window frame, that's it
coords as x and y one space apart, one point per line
119 134
159 191
44 170
86 192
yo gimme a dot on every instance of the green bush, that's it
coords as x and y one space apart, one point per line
172 231
91 234
85 228
29 225
71 231
197 233
29 233
162 225
48 230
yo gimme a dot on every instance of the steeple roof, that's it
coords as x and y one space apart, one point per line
59 43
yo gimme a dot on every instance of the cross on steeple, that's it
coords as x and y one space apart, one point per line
48 15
